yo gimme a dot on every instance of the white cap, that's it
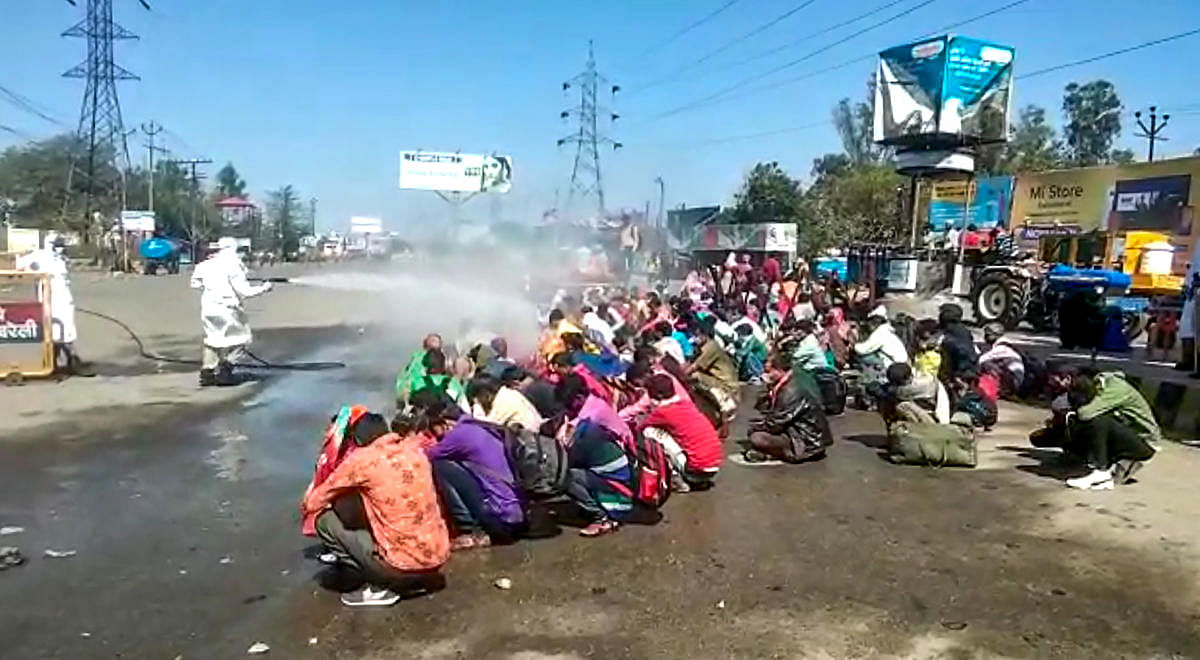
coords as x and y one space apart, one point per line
227 243
879 311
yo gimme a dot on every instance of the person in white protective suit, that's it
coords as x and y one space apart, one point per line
52 261
223 286
1187 319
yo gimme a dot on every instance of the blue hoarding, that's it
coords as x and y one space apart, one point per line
984 202
943 89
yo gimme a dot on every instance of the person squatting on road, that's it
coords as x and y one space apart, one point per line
378 515
1102 423
604 421
223 285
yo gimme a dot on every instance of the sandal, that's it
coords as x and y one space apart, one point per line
599 528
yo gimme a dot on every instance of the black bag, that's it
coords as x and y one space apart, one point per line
833 391
539 463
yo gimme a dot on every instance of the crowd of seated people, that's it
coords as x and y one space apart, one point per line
629 397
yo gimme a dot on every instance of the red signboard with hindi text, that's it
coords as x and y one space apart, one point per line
21 323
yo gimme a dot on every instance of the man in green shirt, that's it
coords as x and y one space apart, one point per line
713 368
414 370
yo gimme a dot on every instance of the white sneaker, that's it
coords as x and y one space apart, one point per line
369 596
1089 481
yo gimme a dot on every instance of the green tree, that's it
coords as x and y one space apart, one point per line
829 166
229 182
33 178
286 220
1033 145
855 125
1121 156
861 203
768 195
1092 114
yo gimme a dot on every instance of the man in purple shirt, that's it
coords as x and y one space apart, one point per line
475 481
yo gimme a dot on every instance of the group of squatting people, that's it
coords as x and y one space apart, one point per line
622 379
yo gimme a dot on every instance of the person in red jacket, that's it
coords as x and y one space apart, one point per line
688 438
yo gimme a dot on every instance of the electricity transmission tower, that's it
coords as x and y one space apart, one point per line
586 180
101 134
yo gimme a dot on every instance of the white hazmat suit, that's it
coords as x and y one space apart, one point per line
50 261
223 286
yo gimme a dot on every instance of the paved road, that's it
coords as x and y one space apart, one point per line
184 520
187 547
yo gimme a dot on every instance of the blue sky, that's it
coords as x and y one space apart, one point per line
323 95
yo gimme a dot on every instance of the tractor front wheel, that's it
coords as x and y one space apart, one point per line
999 298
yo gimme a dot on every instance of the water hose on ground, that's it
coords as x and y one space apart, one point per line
258 363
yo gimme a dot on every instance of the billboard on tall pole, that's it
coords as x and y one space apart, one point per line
455 172
951 91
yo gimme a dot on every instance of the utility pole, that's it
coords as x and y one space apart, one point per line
312 216
1151 133
194 176
151 130
662 196
586 181
101 130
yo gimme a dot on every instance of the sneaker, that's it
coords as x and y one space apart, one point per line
1103 485
369 596
599 528
1124 470
678 485
334 559
1089 481
755 456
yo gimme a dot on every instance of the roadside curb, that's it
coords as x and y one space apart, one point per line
1173 396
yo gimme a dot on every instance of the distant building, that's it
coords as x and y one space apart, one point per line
240 217
684 223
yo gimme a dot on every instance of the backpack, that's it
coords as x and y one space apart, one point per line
833 391
939 445
539 463
982 411
651 471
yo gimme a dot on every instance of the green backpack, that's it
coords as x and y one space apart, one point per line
938 445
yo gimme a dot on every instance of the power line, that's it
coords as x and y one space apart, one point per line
25 103
742 83
818 33
706 18
1113 53
740 138
726 46
844 64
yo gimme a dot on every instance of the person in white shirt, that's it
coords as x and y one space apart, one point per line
599 329
882 347
500 404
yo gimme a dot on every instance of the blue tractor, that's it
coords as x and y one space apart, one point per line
1045 298
160 252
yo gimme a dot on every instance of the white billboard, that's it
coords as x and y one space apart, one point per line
137 220
455 172
364 225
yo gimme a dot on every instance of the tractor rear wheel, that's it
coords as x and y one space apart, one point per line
1000 298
